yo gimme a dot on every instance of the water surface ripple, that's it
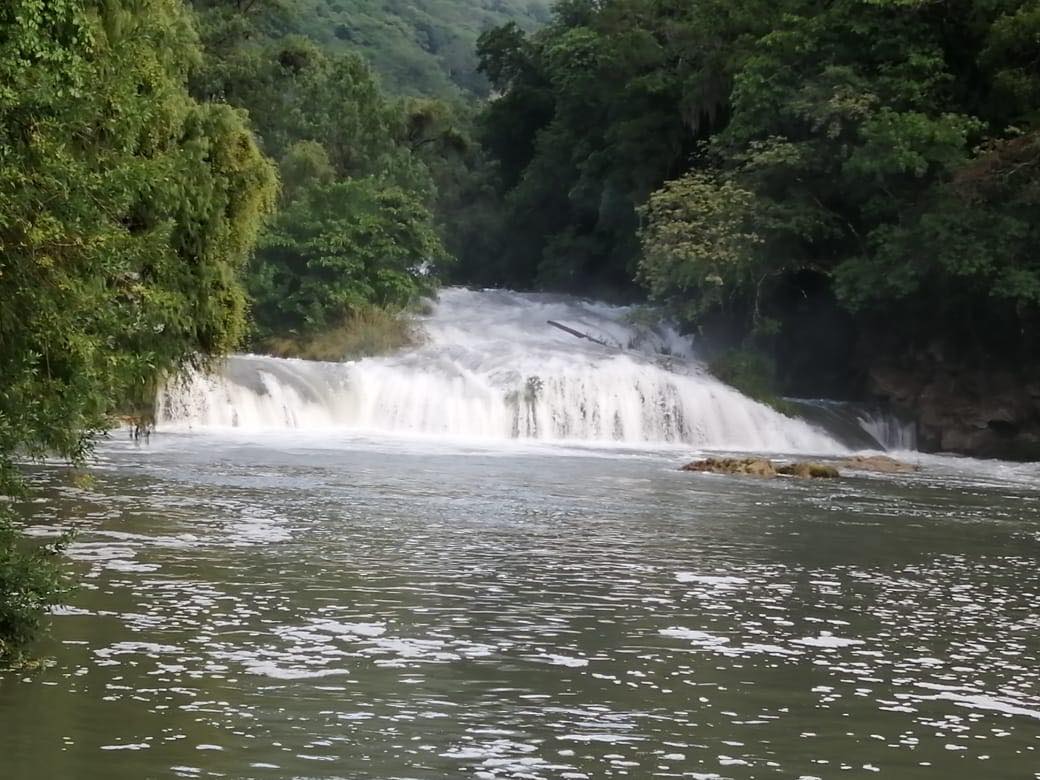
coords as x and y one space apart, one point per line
371 610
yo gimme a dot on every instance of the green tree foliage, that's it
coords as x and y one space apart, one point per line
758 158
596 111
295 92
419 47
336 249
892 149
31 581
127 210
355 226
698 242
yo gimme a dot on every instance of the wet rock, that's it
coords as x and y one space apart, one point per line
752 467
977 410
879 463
809 471
760 467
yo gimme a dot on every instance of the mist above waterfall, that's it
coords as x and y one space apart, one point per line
491 366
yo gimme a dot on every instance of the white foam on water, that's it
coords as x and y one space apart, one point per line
276 672
982 701
148 649
349 629
491 368
696 637
708 579
827 640
563 660
129 746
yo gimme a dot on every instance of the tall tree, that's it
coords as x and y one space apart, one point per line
596 112
355 227
883 166
127 211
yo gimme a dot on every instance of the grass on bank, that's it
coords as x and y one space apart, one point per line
364 333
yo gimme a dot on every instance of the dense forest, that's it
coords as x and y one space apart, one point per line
840 198
420 47
128 211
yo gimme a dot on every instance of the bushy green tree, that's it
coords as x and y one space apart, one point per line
338 248
761 161
877 142
355 227
699 242
597 111
127 211
293 92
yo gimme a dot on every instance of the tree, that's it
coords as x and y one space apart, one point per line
340 247
356 227
596 112
700 248
792 175
127 211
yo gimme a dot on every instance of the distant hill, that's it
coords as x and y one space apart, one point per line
423 47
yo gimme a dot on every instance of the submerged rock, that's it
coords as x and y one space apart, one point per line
760 467
880 463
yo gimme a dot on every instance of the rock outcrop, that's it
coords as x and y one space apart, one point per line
809 471
761 467
979 412
752 467
879 463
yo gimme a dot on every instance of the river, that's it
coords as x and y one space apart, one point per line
297 579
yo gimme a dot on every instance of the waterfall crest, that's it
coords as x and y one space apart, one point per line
491 366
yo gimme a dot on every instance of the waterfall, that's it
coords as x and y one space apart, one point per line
492 366
860 426
891 431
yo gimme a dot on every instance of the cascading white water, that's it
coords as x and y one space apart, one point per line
891 431
860 426
492 367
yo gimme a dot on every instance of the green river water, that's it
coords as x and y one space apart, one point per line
287 607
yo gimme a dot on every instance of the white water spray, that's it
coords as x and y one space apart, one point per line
492 367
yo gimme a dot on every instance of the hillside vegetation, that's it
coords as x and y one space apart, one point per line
418 47
850 189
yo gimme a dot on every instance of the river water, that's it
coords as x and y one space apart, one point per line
319 601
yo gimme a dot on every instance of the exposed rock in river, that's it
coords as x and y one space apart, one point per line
879 463
809 471
760 467
752 467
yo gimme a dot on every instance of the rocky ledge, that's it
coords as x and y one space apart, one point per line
986 413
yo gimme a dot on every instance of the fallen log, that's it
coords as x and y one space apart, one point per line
578 333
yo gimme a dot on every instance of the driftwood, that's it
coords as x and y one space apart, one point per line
578 333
